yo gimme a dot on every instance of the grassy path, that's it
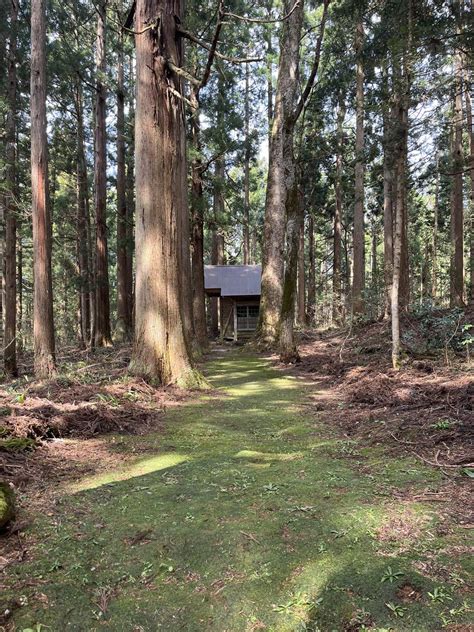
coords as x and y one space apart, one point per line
246 514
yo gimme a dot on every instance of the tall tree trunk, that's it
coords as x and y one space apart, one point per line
197 213
246 222
400 166
83 241
358 283
397 251
123 329
161 351
389 192
278 182
288 350
217 246
467 96
311 272
43 324
301 273
457 211
102 300
130 191
269 54
336 272
11 200
434 238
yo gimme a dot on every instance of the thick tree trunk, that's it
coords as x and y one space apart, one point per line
358 283
246 219
82 222
311 309
337 228
161 351
197 236
43 324
301 273
11 200
278 182
102 300
123 329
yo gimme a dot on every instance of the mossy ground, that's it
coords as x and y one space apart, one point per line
247 514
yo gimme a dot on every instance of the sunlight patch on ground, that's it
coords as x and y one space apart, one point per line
140 468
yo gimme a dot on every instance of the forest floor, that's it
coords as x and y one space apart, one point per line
329 496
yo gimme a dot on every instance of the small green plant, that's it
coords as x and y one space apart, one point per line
396 609
390 575
442 424
439 595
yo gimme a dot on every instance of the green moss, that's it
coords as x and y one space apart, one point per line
246 512
17 444
7 504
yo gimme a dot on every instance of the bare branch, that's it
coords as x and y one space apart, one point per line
243 18
183 73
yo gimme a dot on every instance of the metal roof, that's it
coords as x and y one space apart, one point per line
233 280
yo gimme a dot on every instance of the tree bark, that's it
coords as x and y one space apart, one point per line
102 300
11 200
123 329
161 351
280 172
358 283
43 324
217 246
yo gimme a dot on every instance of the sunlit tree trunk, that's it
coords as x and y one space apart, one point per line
43 324
358 283
217 246
102 301
11 201
161 351
123 329
279 180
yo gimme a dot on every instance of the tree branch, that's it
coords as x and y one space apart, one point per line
213 47
183 73
314 69
233 60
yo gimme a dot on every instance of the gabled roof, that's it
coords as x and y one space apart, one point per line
233 280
